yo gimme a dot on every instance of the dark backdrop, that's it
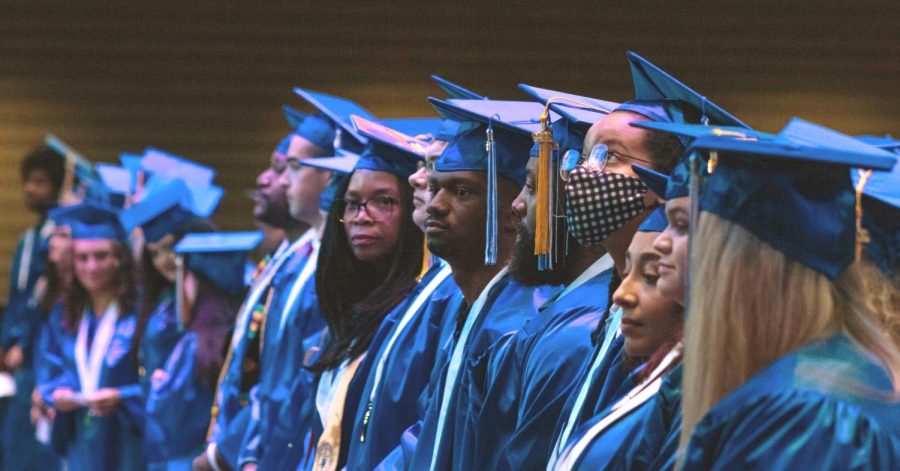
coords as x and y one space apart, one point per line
205 79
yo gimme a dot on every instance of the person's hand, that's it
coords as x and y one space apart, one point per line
104 401
158 377
14 357
249 467
64 398
200 463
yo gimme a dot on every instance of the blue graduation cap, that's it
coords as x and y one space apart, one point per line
652 84
315 128
79 172
693 131
338 110
90 220
414 126
881 218
655 222
342 165
455 91
654 180
581 111
169 166
219 256
161 212
884 142
792 194
448 130
388 150
119 183
499 145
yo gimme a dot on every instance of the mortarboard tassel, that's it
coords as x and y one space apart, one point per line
543 237
180 299
490 247
862 235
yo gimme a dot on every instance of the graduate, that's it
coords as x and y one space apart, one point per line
43 180
294 302
641 430
659 98
164 214
506 396
401 367
804 374
370 243
231 415
471 226
98 398
210 286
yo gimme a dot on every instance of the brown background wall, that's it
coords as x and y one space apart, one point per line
205 80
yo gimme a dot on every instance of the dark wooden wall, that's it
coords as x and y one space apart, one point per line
206 79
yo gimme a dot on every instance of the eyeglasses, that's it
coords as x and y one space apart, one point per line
379 208
596 161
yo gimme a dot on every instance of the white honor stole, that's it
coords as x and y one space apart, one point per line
90 365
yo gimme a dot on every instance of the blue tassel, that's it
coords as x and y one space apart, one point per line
490 247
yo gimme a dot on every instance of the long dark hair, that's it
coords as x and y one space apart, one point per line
55 291
78 298
355 297
153 284
212 319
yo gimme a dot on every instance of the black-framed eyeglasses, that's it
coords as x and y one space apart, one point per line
379 208
596 161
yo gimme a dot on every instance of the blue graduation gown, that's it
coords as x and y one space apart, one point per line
178 410
534 374
50 358
507 308
232 395
283 353
405 374
20 325
646 438
160 335
113 442
828 405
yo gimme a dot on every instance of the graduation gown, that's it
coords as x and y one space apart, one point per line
507 307
178 410
291 328
113 442
20 325
383 415
161 334
828 405
645 438
535 372
232 416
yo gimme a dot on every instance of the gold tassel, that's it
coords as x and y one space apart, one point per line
544 140
426 260
862 235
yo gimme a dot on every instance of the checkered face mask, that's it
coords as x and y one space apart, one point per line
599 203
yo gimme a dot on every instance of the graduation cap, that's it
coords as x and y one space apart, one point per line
90 220
119 183
455 91
580 111
655 222
656 181
315 128
168 166
338 110
218 256
414 126
881 217
883 142
390 149
498 144
342 166
80 177
132 163
659 96
165 208
792 192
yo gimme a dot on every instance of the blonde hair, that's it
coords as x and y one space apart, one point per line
751 304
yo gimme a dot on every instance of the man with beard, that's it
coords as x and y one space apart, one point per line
464 196
231 416
612 147
534 371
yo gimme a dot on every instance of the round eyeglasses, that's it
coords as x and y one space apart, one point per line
379 208
596 161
